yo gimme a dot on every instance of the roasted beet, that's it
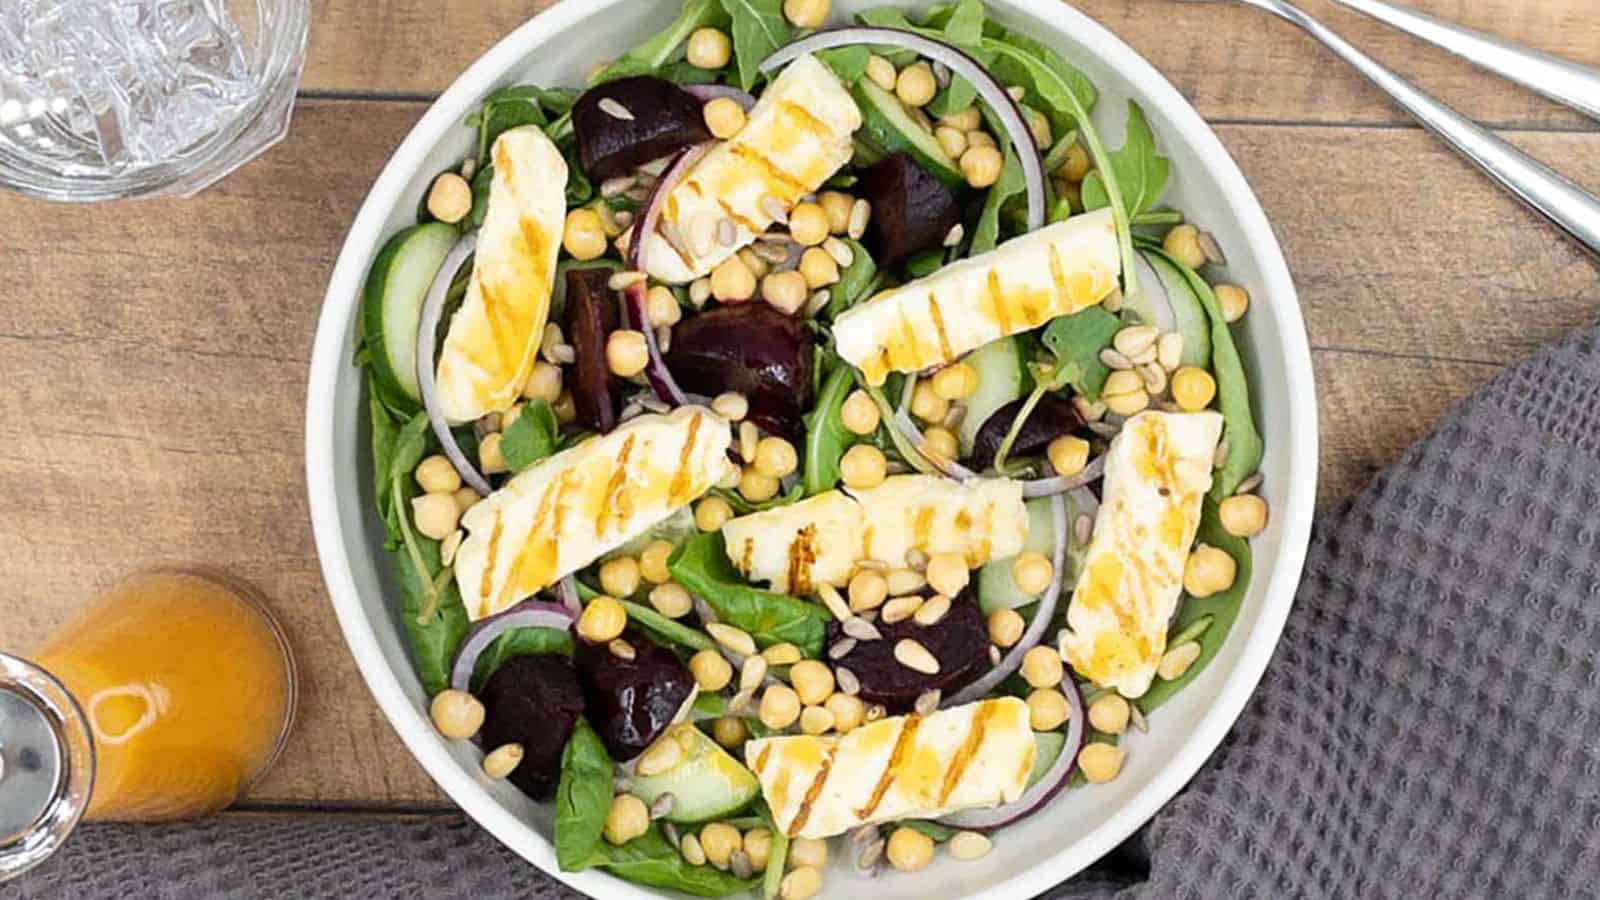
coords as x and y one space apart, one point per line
751 348
959 641
532 701
911 210
646 118
591 317
1052 418
631 701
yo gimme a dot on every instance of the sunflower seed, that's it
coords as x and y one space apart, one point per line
927 702
702 231
564 354
693 853
616 187
740 865
700 292
623 218
871 854
1105 429
994 655
640 194
875 712
1154 377
655 167
847 681
841 648
752 672
749 440
834 602
773 252
917 559
741 702
862 630
1165 405
1212 250
733 638
1115 360
727 232
615 110
941 74
860 214
1083 528
703 610
956 415
1134 340
1222 454
670 831
662 806
1137 718
1247 486
863 836
664 342
624 280
840 251
818 300
954 235
1016 92
775 209
469 168
621 649
931 612
914 656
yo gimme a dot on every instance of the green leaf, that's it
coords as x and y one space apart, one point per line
701 565
890 17
519 642
744 507
849 63
938 833
583 799
651 859
964 29
826 437
855 282
1076 341
925 263
986 236
1140 171
384 433
505 109
482 181
532 437
666 630
431 610
759 29
666 44
1067 93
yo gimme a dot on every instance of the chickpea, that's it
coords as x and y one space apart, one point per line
619 577
963 120
868 589
490 457
909 849
953 141
784 654
1047 709
1076 166
711 670
806 13
947 573
1069 454
808 224
756 487
1243 515
732 406
671 599
729 731
757 266
1039 127
1110 714
436 515
808 852
1234 300
1124 393
661 307
602 620
816 720
819 268
1041 667
836 205
863 466
584 236
941 442
848 712
1032 573
758 846
719 840
969 845
566 409
732 281
859 414
956 382
626 352
653 562
450 198
544 383
776 457
709 48
785 291
456 715
436 475
711 513
800 884
980 138
780 707
466 498
1210 570
927 405
882 72
1006 627
812 680
981 165
1193 388
724 117
915 85
1183 243
1100 763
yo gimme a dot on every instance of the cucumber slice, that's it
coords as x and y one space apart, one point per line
1047 745
706 784
392 306
1188 315
1001 377
888 127
996 588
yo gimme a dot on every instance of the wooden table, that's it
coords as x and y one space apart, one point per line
155 354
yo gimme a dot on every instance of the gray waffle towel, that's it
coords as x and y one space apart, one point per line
1430 727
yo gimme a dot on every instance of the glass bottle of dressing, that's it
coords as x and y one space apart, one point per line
165 698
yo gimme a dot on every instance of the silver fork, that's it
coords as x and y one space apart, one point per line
1571 208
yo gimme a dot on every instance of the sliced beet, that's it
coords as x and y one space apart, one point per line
959 641
646 118
631 701
911 210
1052 418
533 701
591 317
751 348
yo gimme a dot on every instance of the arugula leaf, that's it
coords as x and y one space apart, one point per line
826 437
890 17
583 799
665 45
482 181
519 642
938 833
651 859
1141 173
964 29
666 630
532 437
925 263
849 63
759 28
1076 341
854 282
701 565
384 434
1045 75
1011 184
744 507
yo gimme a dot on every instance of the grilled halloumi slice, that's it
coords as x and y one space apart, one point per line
566 511
494 336
798 135
819 540
908 767
1157 473
1018 286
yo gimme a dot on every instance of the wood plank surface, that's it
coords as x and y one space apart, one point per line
156 353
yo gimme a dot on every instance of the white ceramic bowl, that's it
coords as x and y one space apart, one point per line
558 47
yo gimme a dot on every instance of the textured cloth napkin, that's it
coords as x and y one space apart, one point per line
1429 728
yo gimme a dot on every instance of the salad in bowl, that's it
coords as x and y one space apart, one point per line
808 438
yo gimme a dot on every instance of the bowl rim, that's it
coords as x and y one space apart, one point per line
342 302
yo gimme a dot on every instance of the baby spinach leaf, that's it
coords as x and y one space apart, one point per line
826 437
925 263
532 437
849 63
666 630
1076 341
987 234
482 181
583 798
503 110
933 830
431 610
519 642
854 282
964 29
1140 171
384 433
759 28
701 565
651 859
665 45
745 507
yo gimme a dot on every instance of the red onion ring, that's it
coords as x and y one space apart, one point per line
647 221
1061 484
990 89
1041 617
528 614
567 593
661 381
705 93
427 328
1054 779
1031 488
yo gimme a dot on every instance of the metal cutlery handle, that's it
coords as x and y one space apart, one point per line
1568 206
1564 82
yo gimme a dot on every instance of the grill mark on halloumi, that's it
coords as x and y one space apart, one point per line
897 757
493 555
761 758
1002 316
616 499
680 478
969 750
809 122
741 220
813 792
769 170
938 326
802 554
1058 273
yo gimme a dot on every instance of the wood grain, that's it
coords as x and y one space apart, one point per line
156 353
1234 63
